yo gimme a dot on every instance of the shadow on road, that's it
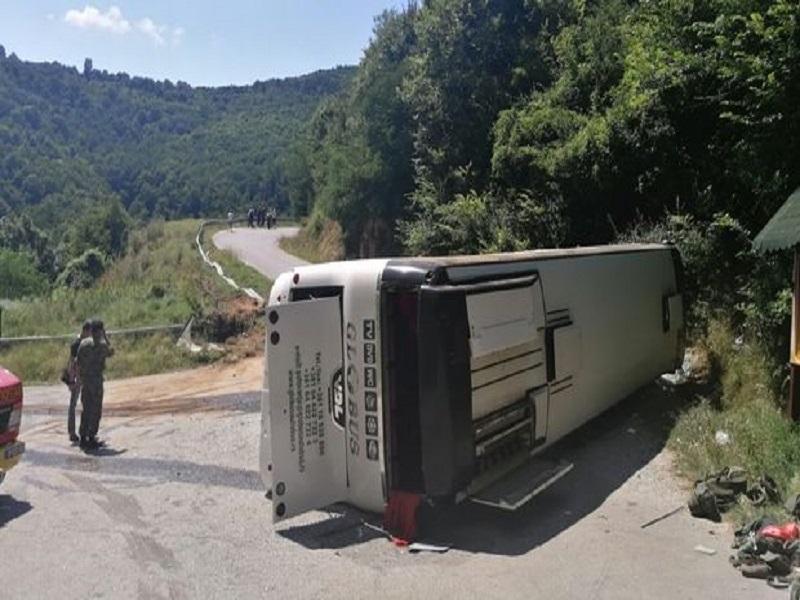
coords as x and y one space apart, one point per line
10 509
160 469
344 527
606 453
104 451
246 402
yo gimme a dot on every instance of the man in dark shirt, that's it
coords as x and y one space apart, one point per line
92 354
74 380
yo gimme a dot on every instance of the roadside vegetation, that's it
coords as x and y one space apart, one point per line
743 405
319 241
159 280
42 362
738 314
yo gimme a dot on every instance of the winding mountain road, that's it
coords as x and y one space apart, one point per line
259 248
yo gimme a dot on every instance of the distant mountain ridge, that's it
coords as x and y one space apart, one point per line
71 139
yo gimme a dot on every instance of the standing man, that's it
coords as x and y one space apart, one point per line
73 379
92 355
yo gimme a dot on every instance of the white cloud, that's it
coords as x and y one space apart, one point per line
112 20
177 35
152 30
51 17
92 18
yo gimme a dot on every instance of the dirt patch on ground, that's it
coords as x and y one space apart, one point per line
139 393
241 376
230 319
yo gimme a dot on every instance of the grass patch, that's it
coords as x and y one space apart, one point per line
745 406
42 362
160 280
316 242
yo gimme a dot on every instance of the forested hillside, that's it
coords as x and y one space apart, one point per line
69 140
505 124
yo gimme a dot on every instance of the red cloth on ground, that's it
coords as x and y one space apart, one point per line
400 517
786 532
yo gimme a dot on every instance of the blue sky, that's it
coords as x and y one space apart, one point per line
203 42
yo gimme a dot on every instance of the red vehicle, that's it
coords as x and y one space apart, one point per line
11 449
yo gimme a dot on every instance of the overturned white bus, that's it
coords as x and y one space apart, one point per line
442 377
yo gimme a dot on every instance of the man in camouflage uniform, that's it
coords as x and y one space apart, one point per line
73 381
92 354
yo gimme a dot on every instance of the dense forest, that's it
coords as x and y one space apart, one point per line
162 149
84 155
474 125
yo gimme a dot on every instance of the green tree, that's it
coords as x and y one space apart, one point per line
20 235
84 271
361 143
19 276
104 227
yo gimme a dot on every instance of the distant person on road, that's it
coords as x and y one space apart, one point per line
230 220
251 215
73 380
92 354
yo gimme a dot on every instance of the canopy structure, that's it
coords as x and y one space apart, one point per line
783 230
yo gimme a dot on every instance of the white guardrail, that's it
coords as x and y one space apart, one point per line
177 327
216 266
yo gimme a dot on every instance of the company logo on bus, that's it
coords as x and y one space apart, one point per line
337 397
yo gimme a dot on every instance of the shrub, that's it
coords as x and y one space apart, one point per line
745 404
19 276
321 240
105 227
473 223
82 272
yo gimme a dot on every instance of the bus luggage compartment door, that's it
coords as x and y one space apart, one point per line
306 406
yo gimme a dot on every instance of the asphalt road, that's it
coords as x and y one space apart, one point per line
259 248
175 508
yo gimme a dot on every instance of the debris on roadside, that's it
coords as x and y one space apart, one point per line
694 368
705 550
768 550
400 517
720 491
419 547
413 547
792 505
671 513
722 438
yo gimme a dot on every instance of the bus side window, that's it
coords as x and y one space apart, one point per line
563 347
